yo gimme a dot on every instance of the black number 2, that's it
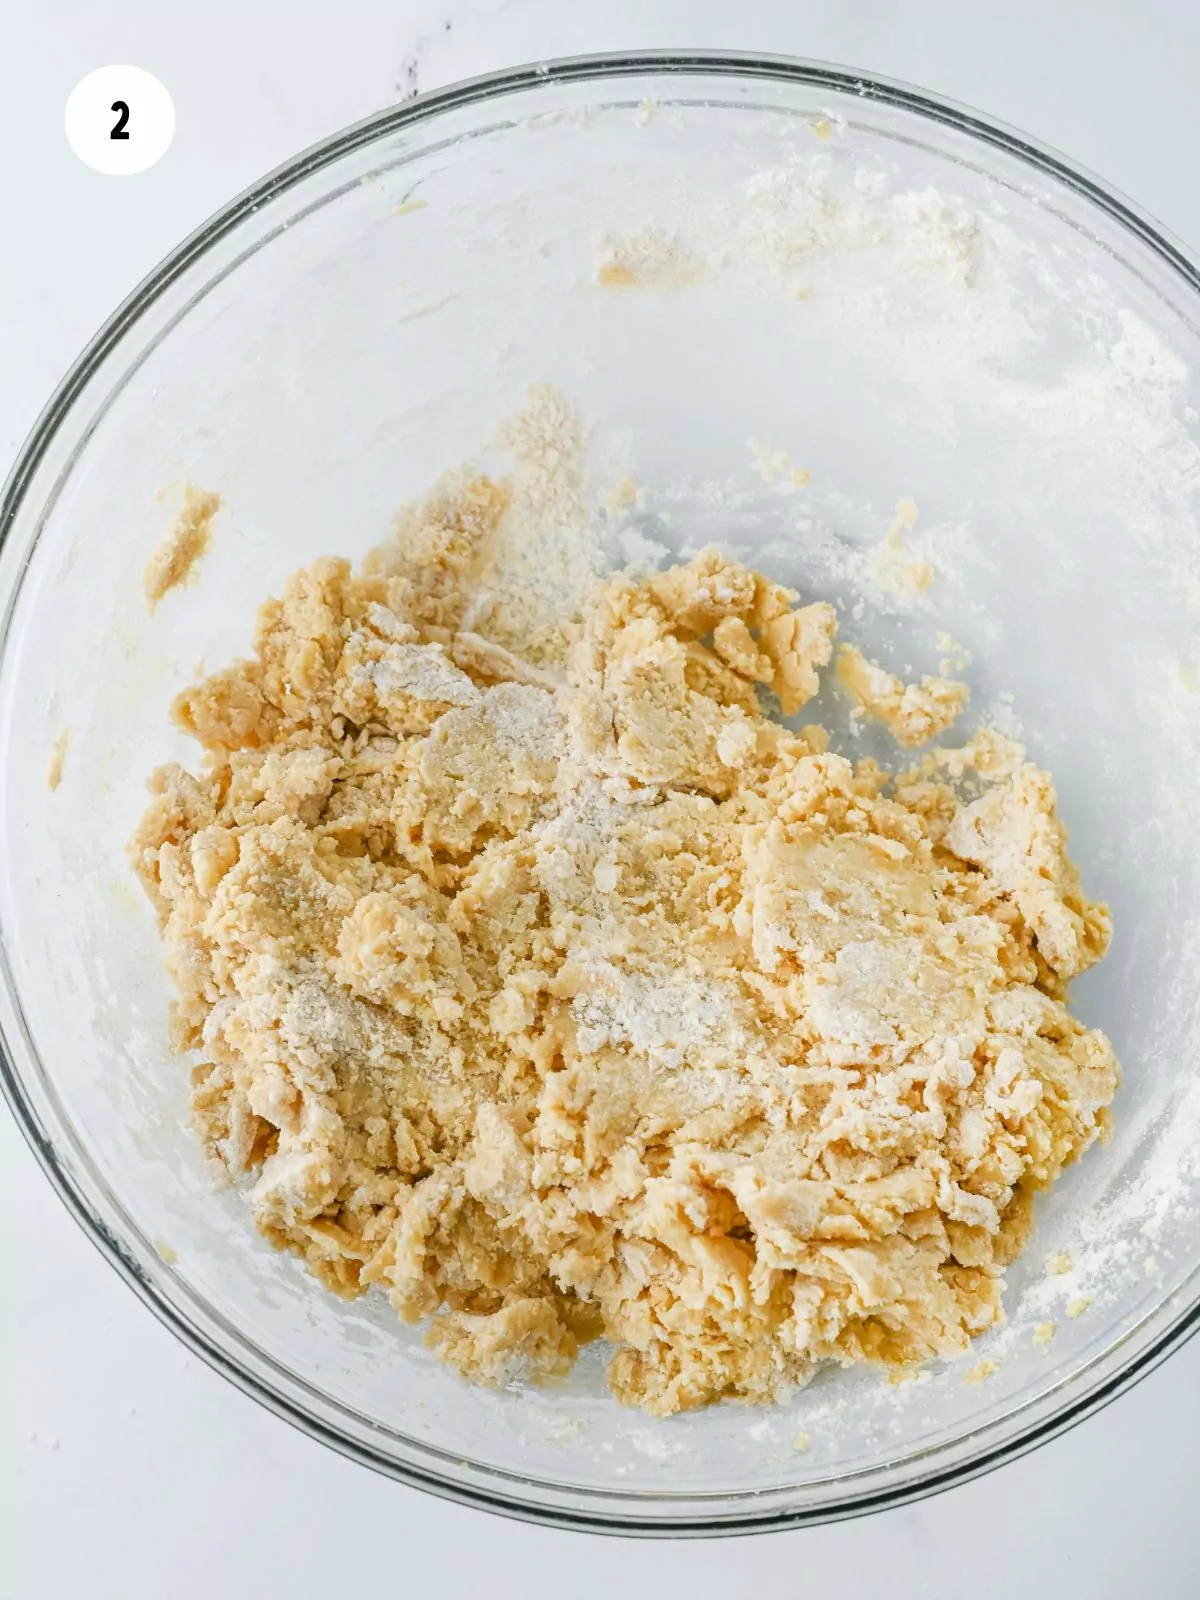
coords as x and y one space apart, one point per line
118 131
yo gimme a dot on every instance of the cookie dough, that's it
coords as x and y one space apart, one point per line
592 1001
175 559
913 713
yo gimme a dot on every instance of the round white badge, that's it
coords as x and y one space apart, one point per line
120 120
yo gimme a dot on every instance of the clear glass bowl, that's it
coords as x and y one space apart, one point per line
1021 363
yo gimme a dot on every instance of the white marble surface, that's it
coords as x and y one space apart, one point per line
129 1470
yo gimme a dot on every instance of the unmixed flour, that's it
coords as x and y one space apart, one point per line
545 553
1108 414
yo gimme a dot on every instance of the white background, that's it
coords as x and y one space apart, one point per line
131 1471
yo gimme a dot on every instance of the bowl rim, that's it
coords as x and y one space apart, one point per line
636 1515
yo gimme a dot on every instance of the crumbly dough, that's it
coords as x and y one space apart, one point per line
894 572
175 559
913 713
600 1003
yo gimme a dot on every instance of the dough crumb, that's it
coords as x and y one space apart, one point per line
624 493
955 657
979 1373
987 752
558 992
913 713
58 757
174 562
1076 1307
647 259
774 465
1059 1264
802 1442
1043 1334
896 572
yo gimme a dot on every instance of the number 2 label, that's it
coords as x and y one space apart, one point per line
119 120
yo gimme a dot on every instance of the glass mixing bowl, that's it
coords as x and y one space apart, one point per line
700 251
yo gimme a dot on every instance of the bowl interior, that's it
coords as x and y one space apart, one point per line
712 266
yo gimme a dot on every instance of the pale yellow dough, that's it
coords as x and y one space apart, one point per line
602 1004
175 560
913 713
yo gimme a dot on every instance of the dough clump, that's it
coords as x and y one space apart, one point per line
594 1002
175 560
913 713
